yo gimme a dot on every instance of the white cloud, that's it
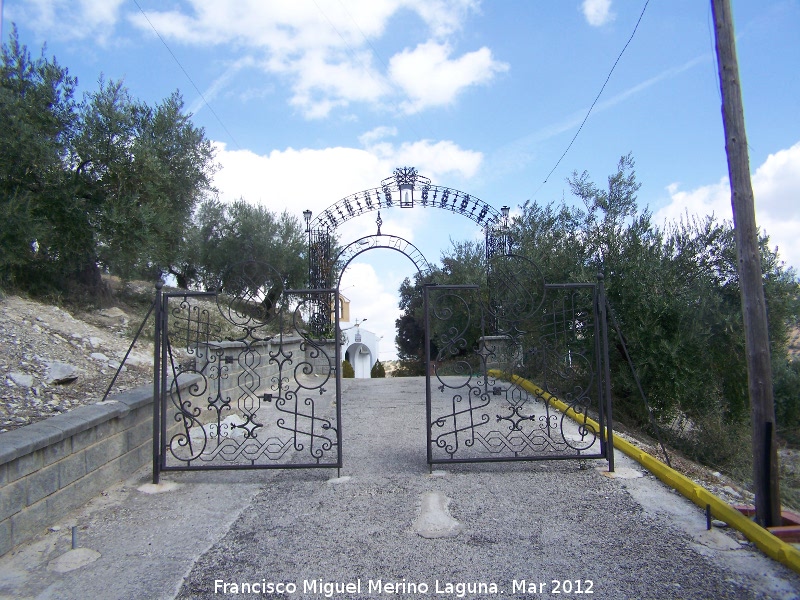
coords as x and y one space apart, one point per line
430 77
289 28
776 188
296 179
597 12
711 199
443 17
325 80
432 159
69 19
376 134
324 48
308 178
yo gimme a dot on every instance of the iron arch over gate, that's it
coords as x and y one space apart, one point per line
405 189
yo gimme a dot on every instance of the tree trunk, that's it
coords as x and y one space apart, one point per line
89 282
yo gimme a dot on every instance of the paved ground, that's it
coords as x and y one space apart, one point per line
554 526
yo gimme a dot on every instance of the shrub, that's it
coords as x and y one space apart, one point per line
721 442
347 370
377 370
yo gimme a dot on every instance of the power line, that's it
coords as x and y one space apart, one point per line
213 112
614 66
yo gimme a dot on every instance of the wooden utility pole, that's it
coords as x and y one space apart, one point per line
759 369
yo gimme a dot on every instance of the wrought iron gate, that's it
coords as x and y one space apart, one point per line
246 377
552 335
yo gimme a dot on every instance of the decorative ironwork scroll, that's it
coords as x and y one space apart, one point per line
392 242
320 257
246 377
547 334
498 239
423 193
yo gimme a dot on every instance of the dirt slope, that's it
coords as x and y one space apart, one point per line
51 361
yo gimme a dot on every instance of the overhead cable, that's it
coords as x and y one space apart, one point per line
614 66
230 135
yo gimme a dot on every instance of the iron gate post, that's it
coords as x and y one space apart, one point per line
428 407
165 360
338 359
606 371
599 362
157 382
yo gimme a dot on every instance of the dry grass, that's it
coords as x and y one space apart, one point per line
135 298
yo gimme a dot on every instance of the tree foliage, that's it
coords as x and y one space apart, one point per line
39 116
147 168
675 294
222 234
410 338
463 264
105 183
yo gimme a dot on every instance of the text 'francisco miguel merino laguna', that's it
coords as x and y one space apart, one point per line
329 589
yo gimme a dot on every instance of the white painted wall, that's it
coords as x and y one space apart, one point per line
362 347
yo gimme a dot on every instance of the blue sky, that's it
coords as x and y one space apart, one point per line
312 100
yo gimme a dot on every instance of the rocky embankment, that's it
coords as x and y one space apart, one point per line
51 361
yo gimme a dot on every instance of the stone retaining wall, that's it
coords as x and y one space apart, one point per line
232 356
52 467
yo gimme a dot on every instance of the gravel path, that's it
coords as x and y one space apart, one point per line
554 526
